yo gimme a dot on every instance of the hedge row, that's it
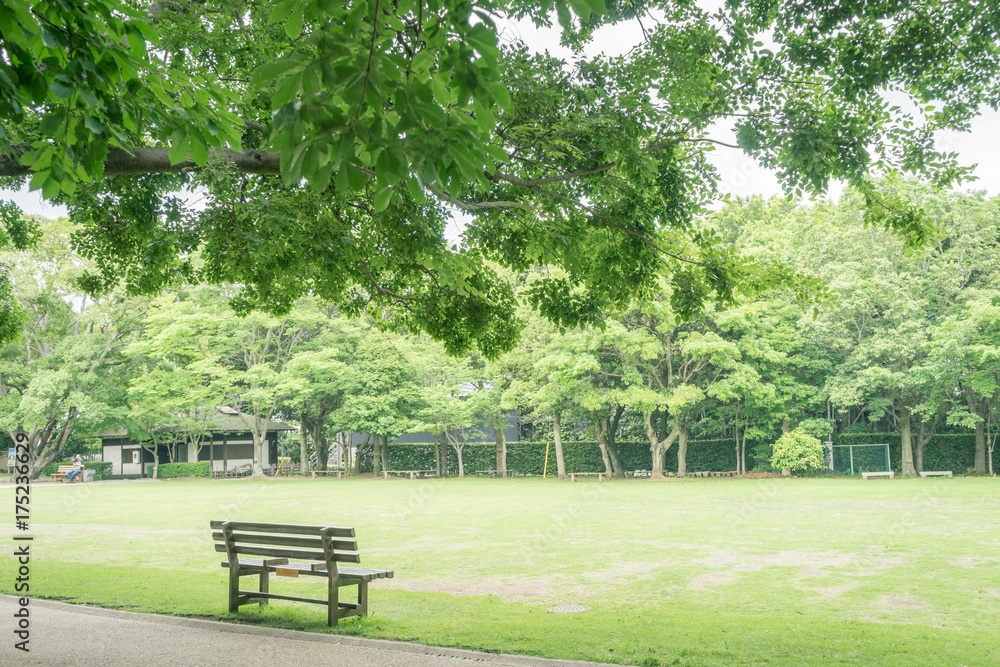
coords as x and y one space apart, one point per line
102 469
579 455
947 451
199 469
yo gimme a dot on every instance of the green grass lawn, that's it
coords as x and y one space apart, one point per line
688 572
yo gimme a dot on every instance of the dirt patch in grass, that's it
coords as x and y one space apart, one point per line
976 561
504 589
902 602
729 564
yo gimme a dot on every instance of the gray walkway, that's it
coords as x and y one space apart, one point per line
65 634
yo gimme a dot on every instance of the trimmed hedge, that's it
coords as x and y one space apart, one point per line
945 451
169 470
102 469
580 456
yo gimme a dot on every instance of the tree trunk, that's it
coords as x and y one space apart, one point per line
612 443
616 459
303 450
501 438
557 438
444 458
682 451
376 456
437 454
737 448
786 427
461 465
600 429
981 448
657 447
918 454
989 450
906 442
43 448
257 466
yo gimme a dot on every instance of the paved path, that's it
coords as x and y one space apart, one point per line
66 634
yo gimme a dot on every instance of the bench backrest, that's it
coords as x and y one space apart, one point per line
284 540
66 468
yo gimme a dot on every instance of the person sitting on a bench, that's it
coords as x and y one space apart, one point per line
77 469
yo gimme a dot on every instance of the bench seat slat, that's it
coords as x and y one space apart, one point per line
289 529
362 573
277 552
287 541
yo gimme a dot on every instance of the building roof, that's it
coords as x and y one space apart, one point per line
224 419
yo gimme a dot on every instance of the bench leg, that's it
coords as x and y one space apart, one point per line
332 602
263 585
363 598
234 590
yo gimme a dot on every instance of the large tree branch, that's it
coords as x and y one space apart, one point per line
155 161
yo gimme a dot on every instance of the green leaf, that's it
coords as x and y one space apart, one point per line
52 123
179 150
500 95
382 199
582 9
281 10
441 92
94 125
62 90
199 151
293 26
51 188
271 70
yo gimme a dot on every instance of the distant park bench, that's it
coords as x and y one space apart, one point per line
888 473
339 473
936 473
413 474
642 473
573 475
277 543
60 474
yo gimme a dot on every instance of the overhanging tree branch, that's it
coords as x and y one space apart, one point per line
156 161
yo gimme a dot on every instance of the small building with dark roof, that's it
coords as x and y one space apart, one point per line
229 446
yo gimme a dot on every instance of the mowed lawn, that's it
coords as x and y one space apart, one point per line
688 572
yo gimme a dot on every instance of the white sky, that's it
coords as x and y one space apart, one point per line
739 175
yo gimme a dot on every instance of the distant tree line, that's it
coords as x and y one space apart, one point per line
907 338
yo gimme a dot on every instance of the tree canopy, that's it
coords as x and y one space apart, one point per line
333 143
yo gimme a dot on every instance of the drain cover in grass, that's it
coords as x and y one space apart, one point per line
567 608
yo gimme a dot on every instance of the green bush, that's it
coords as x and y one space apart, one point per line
102 469
797 451
169 470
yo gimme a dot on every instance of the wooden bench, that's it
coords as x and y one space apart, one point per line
936 473
868 475
412 473
574 475
338 473
277 543
60 474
